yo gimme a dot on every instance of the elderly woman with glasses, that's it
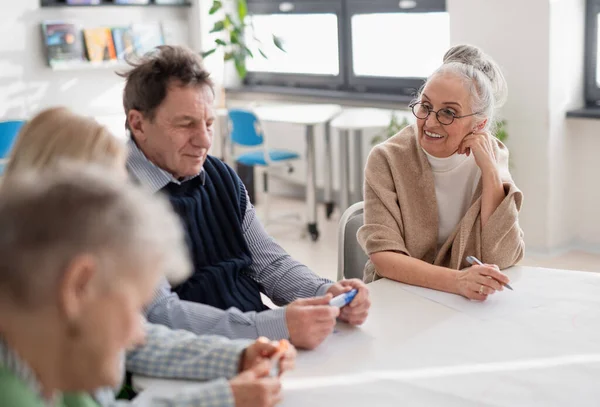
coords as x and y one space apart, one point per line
440 191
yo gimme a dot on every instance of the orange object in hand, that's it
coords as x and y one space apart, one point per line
283 346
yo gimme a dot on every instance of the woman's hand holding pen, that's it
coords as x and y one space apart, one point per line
477 282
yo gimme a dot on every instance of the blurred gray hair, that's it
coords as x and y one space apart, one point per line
484 79
47 220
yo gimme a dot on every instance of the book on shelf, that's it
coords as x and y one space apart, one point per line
147 36
78 2
99 44
131 1
63 42
124 42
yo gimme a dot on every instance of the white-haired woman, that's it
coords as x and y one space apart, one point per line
440 191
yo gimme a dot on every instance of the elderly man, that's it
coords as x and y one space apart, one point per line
168 100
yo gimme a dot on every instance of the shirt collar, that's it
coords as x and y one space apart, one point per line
14 364
150 175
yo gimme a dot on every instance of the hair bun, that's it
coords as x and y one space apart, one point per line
473 56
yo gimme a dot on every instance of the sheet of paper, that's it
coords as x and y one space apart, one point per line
532 289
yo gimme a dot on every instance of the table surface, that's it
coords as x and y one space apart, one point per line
367 118
306 114
538 345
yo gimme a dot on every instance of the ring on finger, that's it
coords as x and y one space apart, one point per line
480 290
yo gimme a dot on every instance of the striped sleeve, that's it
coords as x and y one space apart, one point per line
282 278
179 354
168 309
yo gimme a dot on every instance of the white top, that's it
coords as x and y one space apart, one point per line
455 179
367 118
298 114
538 345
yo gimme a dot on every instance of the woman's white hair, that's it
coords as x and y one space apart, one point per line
483 77
47 220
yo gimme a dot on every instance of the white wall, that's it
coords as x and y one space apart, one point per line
567 18
28 85
515 34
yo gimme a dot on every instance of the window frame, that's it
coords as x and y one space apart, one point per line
407 86
294 79
346 81
592 91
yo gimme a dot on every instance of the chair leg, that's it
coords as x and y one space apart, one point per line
265 179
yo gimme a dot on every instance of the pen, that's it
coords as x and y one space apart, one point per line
343 299
474 260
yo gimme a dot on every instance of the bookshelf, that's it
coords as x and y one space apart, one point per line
110 3
87 65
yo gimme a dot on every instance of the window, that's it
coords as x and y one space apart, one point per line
428 44
310 33
312 51
364 46
592 53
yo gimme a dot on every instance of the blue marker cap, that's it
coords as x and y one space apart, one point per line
343 299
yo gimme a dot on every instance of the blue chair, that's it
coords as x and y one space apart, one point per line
246 131
8 135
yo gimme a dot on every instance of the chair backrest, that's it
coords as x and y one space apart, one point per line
8 135
351 257
245 128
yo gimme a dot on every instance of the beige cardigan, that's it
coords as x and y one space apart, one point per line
401 213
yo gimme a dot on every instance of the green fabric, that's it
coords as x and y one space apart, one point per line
15 393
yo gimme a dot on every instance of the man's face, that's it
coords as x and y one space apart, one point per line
179 136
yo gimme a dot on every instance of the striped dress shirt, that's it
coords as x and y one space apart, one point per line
281 278
215 393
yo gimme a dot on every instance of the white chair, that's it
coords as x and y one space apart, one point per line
351 257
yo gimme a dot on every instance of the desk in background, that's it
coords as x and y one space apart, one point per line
536 346
355 121
308 116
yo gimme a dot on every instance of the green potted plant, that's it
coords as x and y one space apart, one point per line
393 128
234 21
501 133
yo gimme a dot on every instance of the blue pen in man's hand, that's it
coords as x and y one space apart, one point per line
474 260
343 299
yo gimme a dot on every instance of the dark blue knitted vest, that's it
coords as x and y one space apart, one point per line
212 215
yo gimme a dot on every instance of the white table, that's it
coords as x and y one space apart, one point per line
309 116
536 346
355 120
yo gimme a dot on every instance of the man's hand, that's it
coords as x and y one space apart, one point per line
357 311
263 349
254 387
310 321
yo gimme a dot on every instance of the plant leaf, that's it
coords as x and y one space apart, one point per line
263 54
242 9
248 51
234 38
240 65
209 52
221 42
216 6
228 56
219 26
228 22
278 43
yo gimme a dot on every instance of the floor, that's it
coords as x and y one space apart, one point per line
321 256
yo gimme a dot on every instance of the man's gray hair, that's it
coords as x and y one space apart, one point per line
47 220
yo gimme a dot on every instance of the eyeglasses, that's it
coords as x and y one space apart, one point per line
444 116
